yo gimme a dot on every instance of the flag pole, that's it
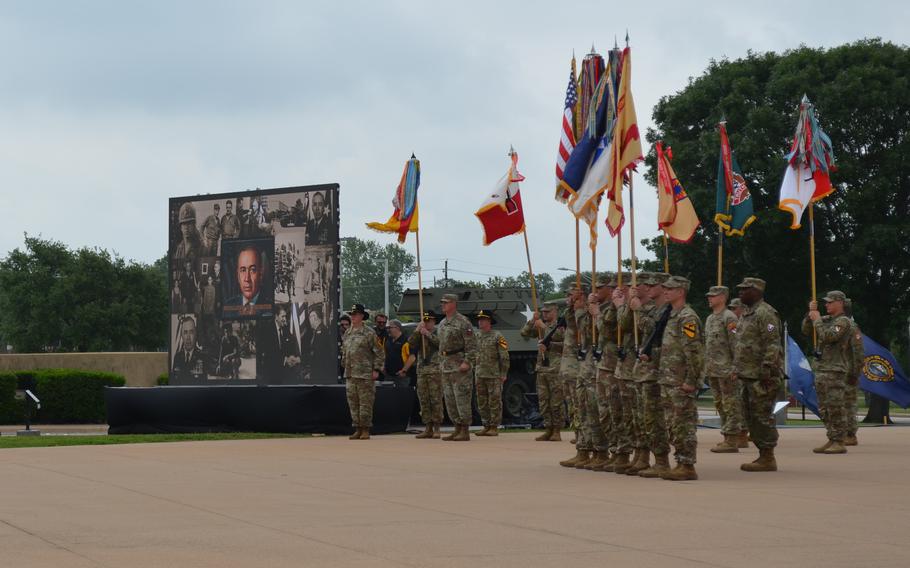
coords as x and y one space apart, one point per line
619 280
593 287
524 233
634 282
720 247
666 254
812 263
577 256
423 340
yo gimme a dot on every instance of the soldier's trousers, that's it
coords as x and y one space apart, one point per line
640 438
850 406
682 422
457 390
429 393
831 387
654 427
728 402
590 435
361 395
619 429
627 437
568 372
551 396
759 396
489 400
604 389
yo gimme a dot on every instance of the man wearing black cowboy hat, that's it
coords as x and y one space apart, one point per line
490 373
424 346
362 358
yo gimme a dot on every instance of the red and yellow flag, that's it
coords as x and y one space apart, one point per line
625 150
675 214
404 218
501 214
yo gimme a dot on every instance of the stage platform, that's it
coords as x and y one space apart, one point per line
312 409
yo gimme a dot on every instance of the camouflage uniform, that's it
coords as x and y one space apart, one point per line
360 356
429 379
492 365
681 361
568 367
644 373
456 346
833 336
627 430
653 418
857 360
757 359
720 342
551 393
591 435
606 385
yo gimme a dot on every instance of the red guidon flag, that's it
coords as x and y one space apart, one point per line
501 214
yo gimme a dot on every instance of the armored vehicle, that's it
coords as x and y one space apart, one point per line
511 308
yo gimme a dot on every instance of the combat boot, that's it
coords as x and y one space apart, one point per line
454 433
642 463
608 465
463 435
850 440
435 427
682 472
556 436
427 433
364 433
493 431
579 455
765 461
484 432
836 447
661 465
621 464
545 437
821 449
600 458
588 458
730 445
743 439
356 434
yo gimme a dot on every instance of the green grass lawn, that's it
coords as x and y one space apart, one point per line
79 440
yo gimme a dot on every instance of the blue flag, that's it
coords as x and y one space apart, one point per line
802 379
882 374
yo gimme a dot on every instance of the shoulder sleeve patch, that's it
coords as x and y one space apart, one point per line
690 329
503 343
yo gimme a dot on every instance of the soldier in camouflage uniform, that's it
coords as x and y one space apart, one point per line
644 309
594 442
424 346
720 342
654 421
584 436
857 360
626 429
832 333
604 383
457 355
362 359
682 358
736 306
568 364
490 373
550 390
757 360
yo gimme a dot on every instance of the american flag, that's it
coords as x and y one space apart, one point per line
567 134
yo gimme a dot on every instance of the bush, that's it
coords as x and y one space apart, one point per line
10 408
67 395
163 379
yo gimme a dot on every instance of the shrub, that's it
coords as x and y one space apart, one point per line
10 408
67 395
163 379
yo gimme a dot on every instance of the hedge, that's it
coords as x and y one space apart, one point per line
10 408
68 396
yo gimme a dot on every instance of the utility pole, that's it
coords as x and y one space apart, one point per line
445 271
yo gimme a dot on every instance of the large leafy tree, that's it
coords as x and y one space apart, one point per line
862 96
362 272
54 298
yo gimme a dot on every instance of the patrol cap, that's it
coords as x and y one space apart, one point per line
717 291
607 279
835 296
449 298
676 282
550 306
359 309
752 282
659 278
646 278
736 303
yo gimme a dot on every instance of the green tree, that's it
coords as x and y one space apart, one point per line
362 270
545 284
862 96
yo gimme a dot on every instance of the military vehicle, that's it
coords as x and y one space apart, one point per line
511 308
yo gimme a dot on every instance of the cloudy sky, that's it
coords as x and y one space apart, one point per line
109 108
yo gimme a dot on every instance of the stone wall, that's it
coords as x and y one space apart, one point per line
139 369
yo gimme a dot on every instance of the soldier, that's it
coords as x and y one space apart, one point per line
604 383
189 361
594 444
654 423
643 371
757 359
582 330
424 344
736 306
682 357
362 358
490 373
211 232
627 430
550 393
857 360
568 364
230 224
457 355
190 247
720 342
832 333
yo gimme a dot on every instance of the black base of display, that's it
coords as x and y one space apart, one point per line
291 409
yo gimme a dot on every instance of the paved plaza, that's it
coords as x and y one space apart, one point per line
495 502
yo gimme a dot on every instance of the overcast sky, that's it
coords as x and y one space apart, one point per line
109 108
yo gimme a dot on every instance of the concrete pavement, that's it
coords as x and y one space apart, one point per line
396 501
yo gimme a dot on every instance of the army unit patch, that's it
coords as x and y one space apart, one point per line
690 329
503 343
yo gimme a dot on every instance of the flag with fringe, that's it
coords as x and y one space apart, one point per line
404 218
501 214
566 134
675 214
734 202
625 149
